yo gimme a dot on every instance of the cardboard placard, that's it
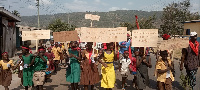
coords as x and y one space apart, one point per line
145 38
92 17
103 35
64 36
35 35
174 44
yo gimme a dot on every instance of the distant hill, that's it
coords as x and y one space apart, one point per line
107 19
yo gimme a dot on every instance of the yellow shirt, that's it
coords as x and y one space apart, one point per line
160 64
5 65
56 52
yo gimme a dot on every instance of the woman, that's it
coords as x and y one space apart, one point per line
142 64
28 70
6 74
89 73
108 72
73 73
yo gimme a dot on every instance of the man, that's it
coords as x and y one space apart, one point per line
124 46
190 58
56 51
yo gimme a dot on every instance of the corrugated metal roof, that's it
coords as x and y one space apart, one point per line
192 21
9 15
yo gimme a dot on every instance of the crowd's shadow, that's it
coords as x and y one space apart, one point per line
50 87
19 88
152 84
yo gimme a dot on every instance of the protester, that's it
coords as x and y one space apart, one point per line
108 72
50 57
56 51
124 45
132 67
164 69
6 74
27 69
143 63
124 67
73 73
190 59
39 62
20 69
89 72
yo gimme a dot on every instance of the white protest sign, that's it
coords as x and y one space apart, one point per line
145 38
103 35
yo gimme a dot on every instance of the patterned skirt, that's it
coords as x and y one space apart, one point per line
6 77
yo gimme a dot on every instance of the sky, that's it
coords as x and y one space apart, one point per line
28 7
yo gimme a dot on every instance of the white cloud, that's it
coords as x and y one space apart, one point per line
117 8
80 5
130 3
32 7
47 2
98 1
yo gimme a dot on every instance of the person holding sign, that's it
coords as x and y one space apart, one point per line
56 51
73 72
124 45
164 74
190 59
39 62
143 63
108 72
6 74
89 73
27 69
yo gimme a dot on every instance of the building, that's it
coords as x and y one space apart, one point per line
8 32
191 26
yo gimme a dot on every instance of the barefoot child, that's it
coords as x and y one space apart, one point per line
124 67
6 74
20 69
73 73
39 62
164 69
132 67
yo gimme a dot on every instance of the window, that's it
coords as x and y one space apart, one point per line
187 31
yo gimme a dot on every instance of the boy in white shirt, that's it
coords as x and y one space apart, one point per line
124 67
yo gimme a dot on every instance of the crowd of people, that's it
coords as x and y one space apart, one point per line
82 64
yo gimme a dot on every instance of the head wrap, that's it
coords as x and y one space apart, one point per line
27 49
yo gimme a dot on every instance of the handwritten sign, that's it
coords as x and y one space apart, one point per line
92 17
174 44
65 36
35 35
145 38
103 35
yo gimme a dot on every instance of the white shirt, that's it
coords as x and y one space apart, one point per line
125 65
168 74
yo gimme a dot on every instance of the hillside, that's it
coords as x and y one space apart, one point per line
107 19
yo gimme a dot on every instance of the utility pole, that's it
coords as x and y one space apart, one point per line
38 5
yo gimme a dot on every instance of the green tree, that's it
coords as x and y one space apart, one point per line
173 16
58 25
147 23
128 25
15 12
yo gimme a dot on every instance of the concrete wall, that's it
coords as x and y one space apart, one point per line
193 27
10 40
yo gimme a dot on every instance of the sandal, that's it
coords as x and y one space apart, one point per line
123 88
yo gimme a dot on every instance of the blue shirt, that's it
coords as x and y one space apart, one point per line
124 43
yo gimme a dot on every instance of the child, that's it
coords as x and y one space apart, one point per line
39 62
6 74
143 64
20 69
124 67
27 71
50 57
133 67
164 69
73 73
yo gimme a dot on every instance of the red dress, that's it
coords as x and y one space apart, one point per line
133 64
50 57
